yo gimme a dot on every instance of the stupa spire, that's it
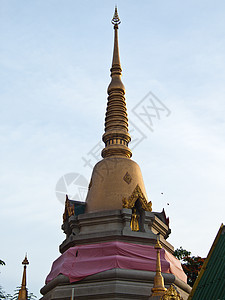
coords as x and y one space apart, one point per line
116 136
116 179
23 290
158 288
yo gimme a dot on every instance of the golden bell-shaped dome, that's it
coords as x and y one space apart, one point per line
113 180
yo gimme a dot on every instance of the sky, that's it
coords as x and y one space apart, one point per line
55 58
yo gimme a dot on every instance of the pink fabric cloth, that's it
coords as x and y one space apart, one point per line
175 266
81 261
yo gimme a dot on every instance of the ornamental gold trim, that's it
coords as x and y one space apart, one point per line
137 194
171 294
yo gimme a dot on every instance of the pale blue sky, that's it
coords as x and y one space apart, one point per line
55 58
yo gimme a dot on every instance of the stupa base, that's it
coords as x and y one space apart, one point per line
111 284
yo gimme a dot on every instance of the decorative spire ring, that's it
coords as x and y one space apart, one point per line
25 261
116 20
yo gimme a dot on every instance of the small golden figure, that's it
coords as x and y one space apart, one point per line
134 221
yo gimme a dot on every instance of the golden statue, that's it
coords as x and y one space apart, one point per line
134 221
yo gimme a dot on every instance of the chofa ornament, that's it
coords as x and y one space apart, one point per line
69 210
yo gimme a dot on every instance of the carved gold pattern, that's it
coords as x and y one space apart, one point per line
171 294
125 203
137 194
127 178
69 209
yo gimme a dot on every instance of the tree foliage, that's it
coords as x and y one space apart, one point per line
5 296
181 253
30 296
191 264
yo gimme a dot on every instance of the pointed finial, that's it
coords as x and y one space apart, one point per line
158 288
25 261
116 20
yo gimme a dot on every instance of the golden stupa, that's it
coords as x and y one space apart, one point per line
108 251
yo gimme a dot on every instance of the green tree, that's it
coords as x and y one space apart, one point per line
181 253
191 264
30 296
3 295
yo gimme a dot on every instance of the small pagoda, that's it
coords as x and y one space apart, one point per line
23 294
109 250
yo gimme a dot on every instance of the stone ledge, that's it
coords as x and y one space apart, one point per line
97 227
110 284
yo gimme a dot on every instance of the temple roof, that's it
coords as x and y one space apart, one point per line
210 281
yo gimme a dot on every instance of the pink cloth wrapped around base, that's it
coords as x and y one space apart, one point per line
81 261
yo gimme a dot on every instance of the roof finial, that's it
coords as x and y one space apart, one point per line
25 261
116 136
116 20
